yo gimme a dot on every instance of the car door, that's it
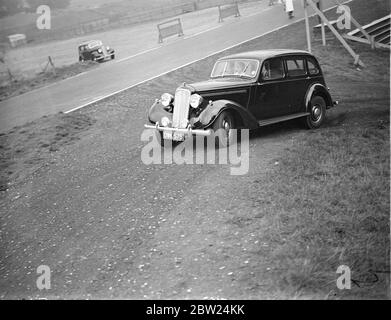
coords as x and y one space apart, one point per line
296 84
268 98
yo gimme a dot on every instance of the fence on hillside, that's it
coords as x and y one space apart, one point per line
170 28
228 11
120 19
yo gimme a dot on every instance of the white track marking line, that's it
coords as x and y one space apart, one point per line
137 54
194 61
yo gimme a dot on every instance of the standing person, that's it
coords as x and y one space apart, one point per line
289 8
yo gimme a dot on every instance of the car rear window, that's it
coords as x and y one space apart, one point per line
94 44
313 68
296 67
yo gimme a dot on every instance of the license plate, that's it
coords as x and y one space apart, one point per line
167 135
178 136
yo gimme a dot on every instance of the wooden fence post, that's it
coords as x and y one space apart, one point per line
169 28
355 56
307 26
231 10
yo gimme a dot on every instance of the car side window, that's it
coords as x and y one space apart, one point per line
272 69
313 68
295 67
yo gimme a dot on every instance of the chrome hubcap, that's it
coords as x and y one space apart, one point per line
316 112
227 128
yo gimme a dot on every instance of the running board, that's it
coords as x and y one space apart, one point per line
283 118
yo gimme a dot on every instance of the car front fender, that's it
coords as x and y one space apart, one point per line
157 111
213 110
320 90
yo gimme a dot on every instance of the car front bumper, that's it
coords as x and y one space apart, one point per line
187 131
103 57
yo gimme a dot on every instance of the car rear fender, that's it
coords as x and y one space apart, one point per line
318 89
241 115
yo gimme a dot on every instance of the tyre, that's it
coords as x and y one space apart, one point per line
112 56
222 127
317 114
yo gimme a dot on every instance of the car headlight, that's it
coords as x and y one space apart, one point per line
107 48
195 100
100 50
165 121
166 99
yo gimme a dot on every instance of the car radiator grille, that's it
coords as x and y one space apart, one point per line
181 108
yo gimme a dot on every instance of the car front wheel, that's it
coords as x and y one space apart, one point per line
222 127
317 110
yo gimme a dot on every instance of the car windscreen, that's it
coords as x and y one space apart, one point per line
94 44
235 68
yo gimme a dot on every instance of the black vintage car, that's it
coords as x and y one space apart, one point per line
245 90
95 50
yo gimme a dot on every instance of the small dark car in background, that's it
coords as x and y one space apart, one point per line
245 90
95 50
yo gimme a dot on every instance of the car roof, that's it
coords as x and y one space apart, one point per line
88 42
265 54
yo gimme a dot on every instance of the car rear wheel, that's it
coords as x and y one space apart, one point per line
112 56
317 114
222 127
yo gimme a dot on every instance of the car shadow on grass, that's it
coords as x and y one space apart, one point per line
287 128
278 130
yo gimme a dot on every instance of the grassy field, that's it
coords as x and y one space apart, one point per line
79 11
338 213
323 203
19 86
